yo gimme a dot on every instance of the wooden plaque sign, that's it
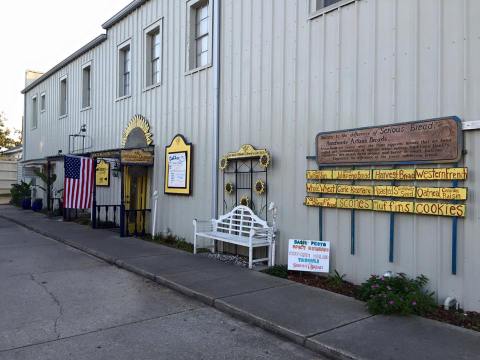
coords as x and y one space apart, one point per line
426 141
136 157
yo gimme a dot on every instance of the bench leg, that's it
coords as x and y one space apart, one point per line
195 243
250 257
213 247
273 253
270 255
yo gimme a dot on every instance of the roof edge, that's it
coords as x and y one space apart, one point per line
127 10
92 44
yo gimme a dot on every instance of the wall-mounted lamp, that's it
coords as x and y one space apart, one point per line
83 128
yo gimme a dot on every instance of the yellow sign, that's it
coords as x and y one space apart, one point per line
102 173
393 206
432 174
406 207
441 193
455 210
394 174
321 202
178 167
136 157
354 190
352 174
360 204
441 174
395 191
322 188
319 174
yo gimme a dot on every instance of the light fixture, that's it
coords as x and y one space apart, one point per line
83 128
388 274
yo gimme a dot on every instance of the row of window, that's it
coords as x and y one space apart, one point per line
198 57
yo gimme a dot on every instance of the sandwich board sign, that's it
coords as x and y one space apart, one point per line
309 255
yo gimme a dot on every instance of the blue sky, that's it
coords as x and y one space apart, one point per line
37 35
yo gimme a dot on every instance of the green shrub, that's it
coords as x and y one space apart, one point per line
397 295
280 271
19 192
336 280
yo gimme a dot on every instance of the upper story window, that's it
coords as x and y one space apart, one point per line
153 54
320 4
63 96
86 86
42 102
200 40
201 35
124 70
34 112
320 7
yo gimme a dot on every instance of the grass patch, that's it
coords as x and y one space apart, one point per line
280 271
173 241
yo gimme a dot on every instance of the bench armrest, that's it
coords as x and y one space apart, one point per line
266 233
203 225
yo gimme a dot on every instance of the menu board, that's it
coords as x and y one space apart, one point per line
178 167
177 170
309 255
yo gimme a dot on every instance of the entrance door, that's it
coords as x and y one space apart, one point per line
136 184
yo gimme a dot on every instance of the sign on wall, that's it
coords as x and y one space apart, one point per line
178 167
102 174
426 141
137 157
309 255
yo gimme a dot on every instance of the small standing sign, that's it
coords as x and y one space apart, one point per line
309 255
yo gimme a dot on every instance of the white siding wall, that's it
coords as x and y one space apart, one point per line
286 78
182 104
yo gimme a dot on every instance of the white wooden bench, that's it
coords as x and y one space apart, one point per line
240 227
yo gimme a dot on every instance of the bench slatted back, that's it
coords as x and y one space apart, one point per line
239 222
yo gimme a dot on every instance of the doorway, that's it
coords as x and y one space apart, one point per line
136 187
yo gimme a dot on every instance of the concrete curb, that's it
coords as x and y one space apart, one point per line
218 304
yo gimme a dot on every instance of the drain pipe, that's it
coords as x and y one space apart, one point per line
450 302
216 105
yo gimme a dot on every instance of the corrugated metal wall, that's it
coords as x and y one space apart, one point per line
182 104
286 78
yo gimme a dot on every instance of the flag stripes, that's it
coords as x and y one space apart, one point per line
78 183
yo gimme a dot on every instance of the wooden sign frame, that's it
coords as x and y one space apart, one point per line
179 148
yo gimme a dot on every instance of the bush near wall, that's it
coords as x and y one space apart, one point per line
397 295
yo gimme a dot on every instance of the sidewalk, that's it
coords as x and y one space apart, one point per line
332 324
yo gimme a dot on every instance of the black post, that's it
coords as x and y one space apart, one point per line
48 186
94 200
122 205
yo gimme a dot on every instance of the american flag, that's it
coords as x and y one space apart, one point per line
78 184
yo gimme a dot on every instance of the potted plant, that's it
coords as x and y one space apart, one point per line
37 204
26 203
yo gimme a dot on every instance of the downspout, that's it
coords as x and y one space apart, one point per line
216 105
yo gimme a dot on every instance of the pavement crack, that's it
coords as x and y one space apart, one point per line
55 300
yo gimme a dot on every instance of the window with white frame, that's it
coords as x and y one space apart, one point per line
124 70
63 97
153 55
86 86
42 102
320 5
34 112
200 27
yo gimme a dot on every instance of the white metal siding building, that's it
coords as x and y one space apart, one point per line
288 71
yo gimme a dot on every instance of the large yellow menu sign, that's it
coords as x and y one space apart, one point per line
396 190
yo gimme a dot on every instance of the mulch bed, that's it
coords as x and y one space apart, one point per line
468 319
345 288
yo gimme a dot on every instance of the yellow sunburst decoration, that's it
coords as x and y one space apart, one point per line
138 121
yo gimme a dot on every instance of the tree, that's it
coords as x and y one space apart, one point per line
6 139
